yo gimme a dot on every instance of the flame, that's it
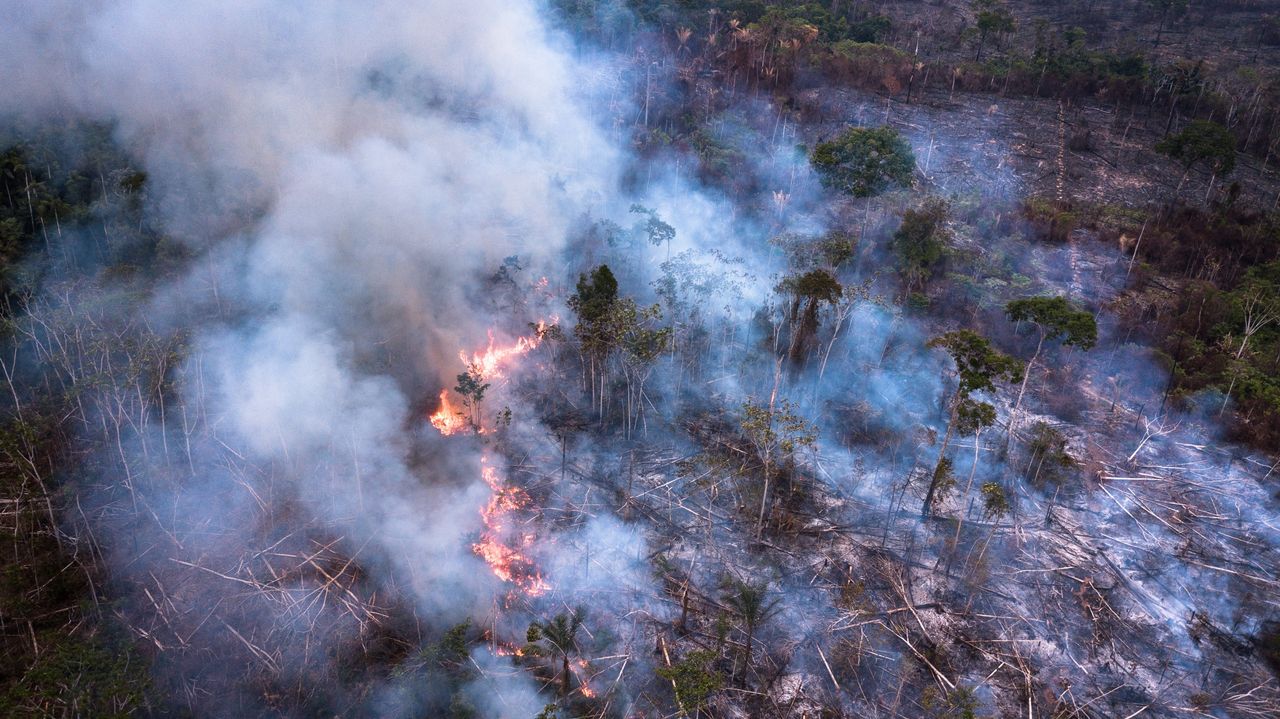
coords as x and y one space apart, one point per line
579 668
488 364
500 546
448 419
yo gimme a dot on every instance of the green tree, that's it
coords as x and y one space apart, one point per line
753 607
471 386
1255 303
864 161
993 19
776 431
694 680
559 636
655 231
920 241
1056 319
809 292
1201 142
642 341
593 301
978 366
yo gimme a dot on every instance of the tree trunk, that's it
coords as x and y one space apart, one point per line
564 681
927 508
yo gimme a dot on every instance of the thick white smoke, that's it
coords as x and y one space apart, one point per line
342 172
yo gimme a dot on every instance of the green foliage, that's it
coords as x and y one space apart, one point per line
595 295
959 703
816 285
471 386
778 428
978 364
77 677
557 636
1057 320
921 240
594 301
973 415
751 604
993 18
1049 458
694 679
864 161
1202 142
655 231
944 478
995 502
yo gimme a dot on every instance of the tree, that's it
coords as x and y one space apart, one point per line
808 293
471 386
753 607
654 229
642 342
993 18
776 431
920 240
693 679
864 161
1256 302
1056 319
1201 142
560 634
978 366
1165 7
593 302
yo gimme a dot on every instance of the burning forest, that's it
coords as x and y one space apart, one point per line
632 359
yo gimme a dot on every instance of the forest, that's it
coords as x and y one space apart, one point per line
622 359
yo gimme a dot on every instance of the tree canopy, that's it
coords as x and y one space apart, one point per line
864 161
1057 319
1202 142
978 364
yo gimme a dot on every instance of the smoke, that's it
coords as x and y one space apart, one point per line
348 179
346 176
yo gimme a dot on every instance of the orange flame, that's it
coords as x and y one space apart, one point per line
448 419
488 364
580 667
500 546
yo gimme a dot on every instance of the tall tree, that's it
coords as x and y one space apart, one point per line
993 19
1201 142
593 301
920 241
864 161
776 431
1056 320
809 292
560 636
978 366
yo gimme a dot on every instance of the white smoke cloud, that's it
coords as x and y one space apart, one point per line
345 170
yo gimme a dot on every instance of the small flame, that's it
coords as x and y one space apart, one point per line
448 419
580 668
501 548
488 364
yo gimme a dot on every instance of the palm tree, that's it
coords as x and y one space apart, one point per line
562 634
751 604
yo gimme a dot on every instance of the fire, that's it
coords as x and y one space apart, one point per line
448 419
501 546
488 364
580 668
